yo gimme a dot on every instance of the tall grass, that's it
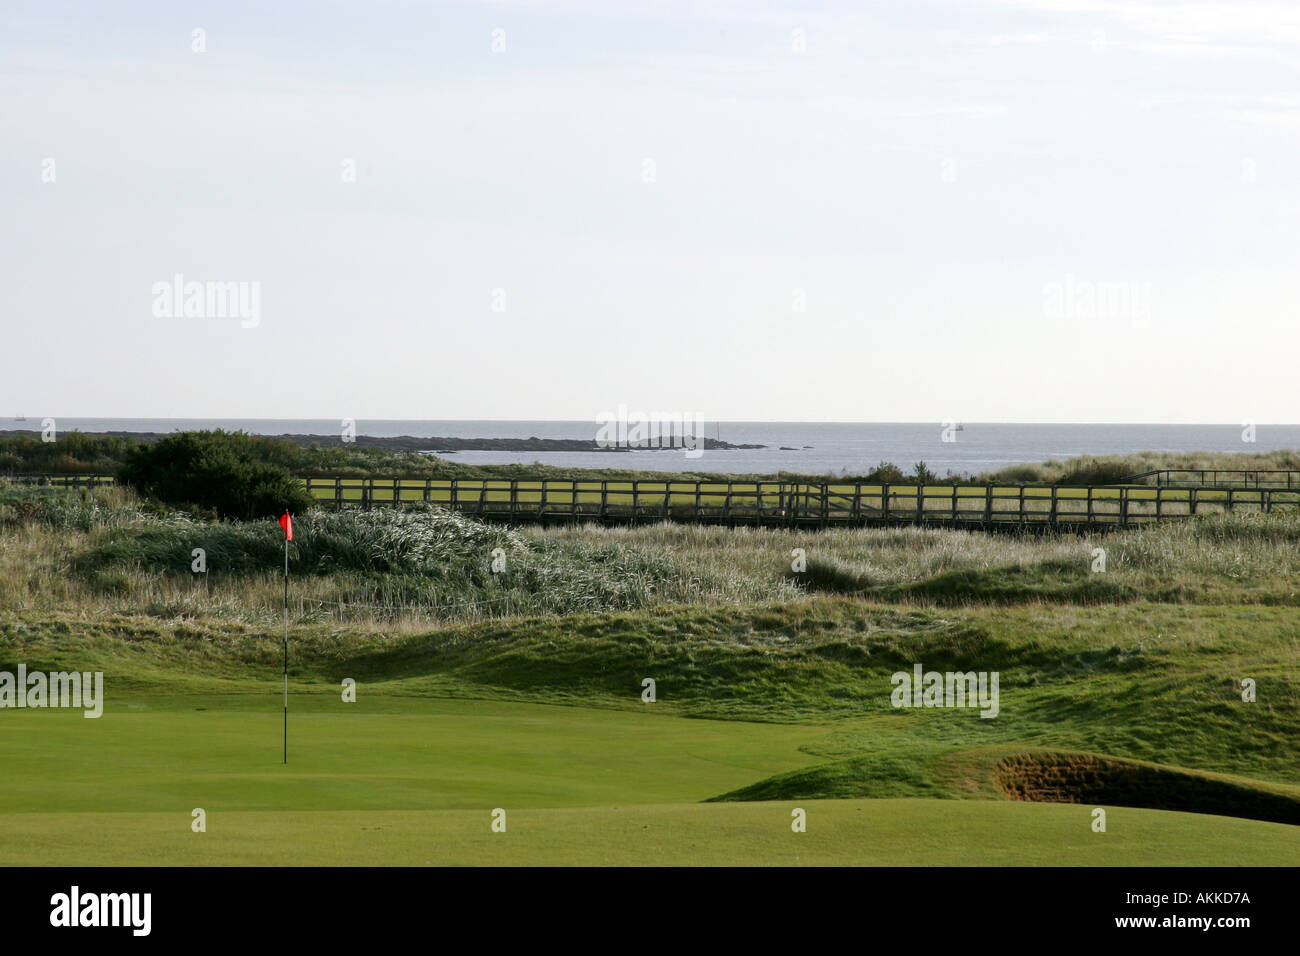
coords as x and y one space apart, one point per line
106 552
102 552
1109 469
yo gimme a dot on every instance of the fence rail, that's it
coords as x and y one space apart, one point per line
795 503
786 503
1276 478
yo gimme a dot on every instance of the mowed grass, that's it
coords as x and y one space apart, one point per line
839 832
169 754
402 782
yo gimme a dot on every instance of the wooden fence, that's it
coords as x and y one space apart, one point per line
785 503
1279 478
801 504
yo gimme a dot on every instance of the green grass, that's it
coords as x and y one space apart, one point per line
775 703
840 833
223 753
1119 689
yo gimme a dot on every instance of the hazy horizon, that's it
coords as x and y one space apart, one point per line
721 421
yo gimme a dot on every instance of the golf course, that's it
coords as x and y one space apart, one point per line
472 692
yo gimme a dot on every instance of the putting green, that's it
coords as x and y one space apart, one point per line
389 754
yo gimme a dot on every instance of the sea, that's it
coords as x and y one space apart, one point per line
805 447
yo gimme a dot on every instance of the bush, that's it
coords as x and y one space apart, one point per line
886 473
216 471
1019 475
1095 471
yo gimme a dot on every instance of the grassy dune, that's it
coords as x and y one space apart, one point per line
109 553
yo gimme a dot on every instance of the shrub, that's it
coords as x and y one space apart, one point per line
214 471
886 473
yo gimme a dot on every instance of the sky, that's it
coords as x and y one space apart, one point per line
985 210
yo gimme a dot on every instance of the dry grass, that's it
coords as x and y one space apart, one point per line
77 556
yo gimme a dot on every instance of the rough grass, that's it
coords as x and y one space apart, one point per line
105 552
1049 777
1039 776
1109 469
1220 559
1145 682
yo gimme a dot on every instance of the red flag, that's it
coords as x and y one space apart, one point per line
286 523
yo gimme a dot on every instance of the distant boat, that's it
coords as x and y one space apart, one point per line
20 418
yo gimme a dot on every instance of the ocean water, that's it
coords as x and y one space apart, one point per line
818 447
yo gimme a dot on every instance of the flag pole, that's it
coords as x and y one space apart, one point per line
286 647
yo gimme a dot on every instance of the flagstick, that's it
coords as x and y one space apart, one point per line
286 649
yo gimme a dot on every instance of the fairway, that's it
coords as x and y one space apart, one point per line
840 832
